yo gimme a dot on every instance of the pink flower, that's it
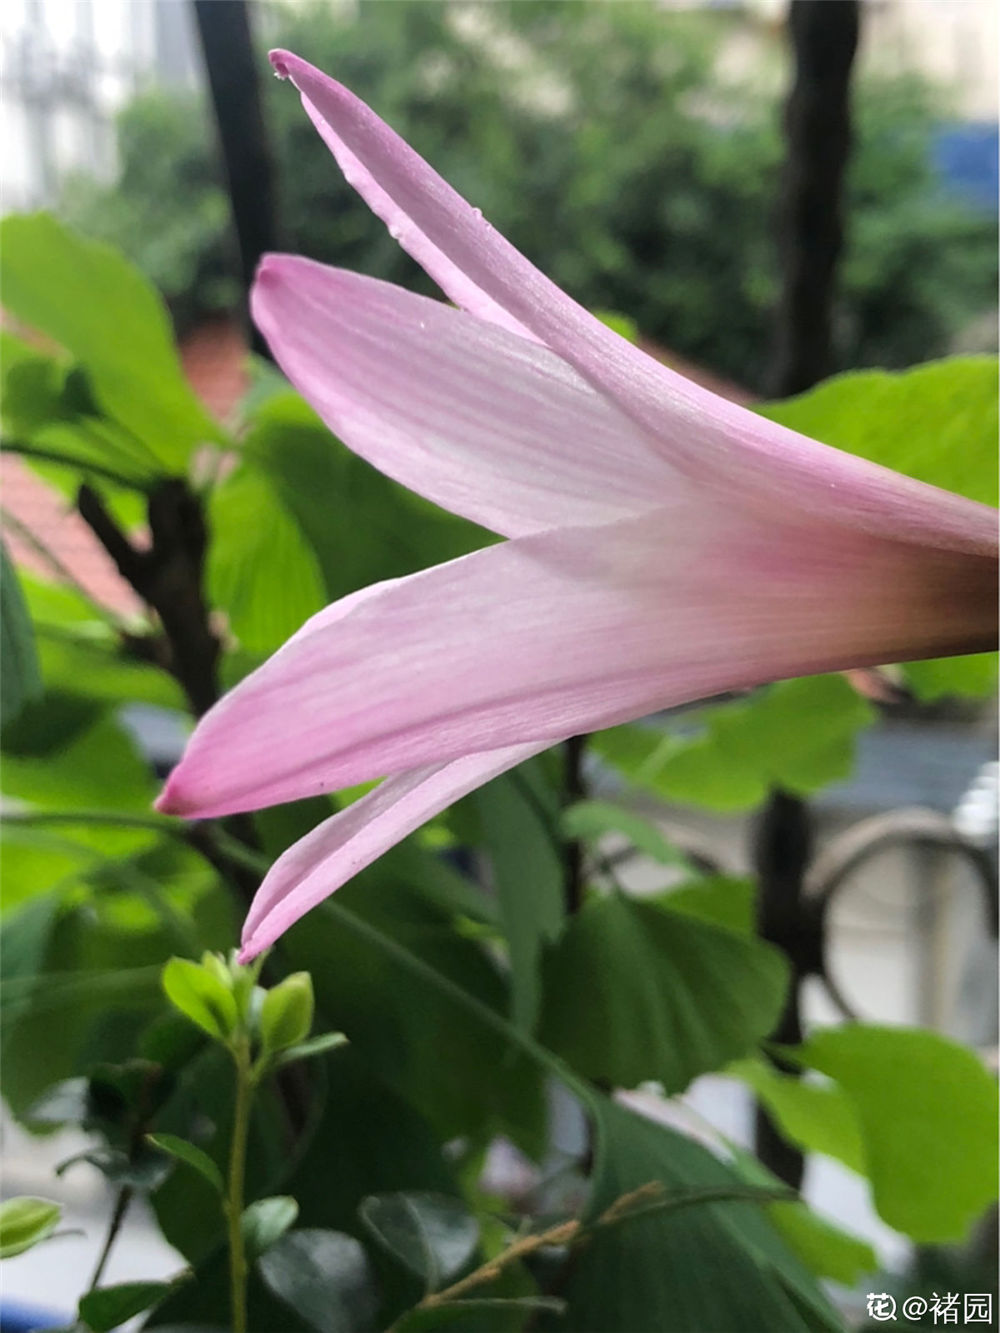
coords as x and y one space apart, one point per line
663 544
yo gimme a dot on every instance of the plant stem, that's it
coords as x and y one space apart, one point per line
117 1218
237 1171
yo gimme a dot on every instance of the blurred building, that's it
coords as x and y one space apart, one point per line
67 67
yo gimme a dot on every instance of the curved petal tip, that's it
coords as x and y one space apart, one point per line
280 61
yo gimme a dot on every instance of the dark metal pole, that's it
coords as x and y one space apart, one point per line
233 69
824 38
782 852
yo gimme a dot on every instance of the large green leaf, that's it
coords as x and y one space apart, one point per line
635 991
81 653
261 569
20 678
799 735
95 665
719 899
64 755
937 423
824 1248
92 302
927 1110
817 1117
716 1266
519 820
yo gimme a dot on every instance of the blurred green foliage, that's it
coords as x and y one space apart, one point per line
602 140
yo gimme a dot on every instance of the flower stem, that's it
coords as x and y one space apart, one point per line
234 1199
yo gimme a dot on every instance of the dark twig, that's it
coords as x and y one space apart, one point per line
122 1201
168 577
574 790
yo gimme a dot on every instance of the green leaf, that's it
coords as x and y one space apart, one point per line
818 1117
325 1277
397 1023
719 899
591 820
24 1221
107 1308
306 1050
668 997
85 996
974 676
799 735
938 423
261 569
192 1155
92 302
98 668
825 1249
433 1235
200 996
64 754
20 678
686 1269
928 1111
265 1221
519 819
286 1013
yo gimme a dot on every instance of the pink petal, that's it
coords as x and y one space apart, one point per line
449 277
719 444
470 416
563 632
343 845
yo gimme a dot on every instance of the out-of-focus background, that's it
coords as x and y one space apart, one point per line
636 161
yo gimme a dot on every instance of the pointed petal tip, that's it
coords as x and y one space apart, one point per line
171 800
268 269
280 61
248 951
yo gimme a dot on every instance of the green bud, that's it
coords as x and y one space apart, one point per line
287 1013
197 990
